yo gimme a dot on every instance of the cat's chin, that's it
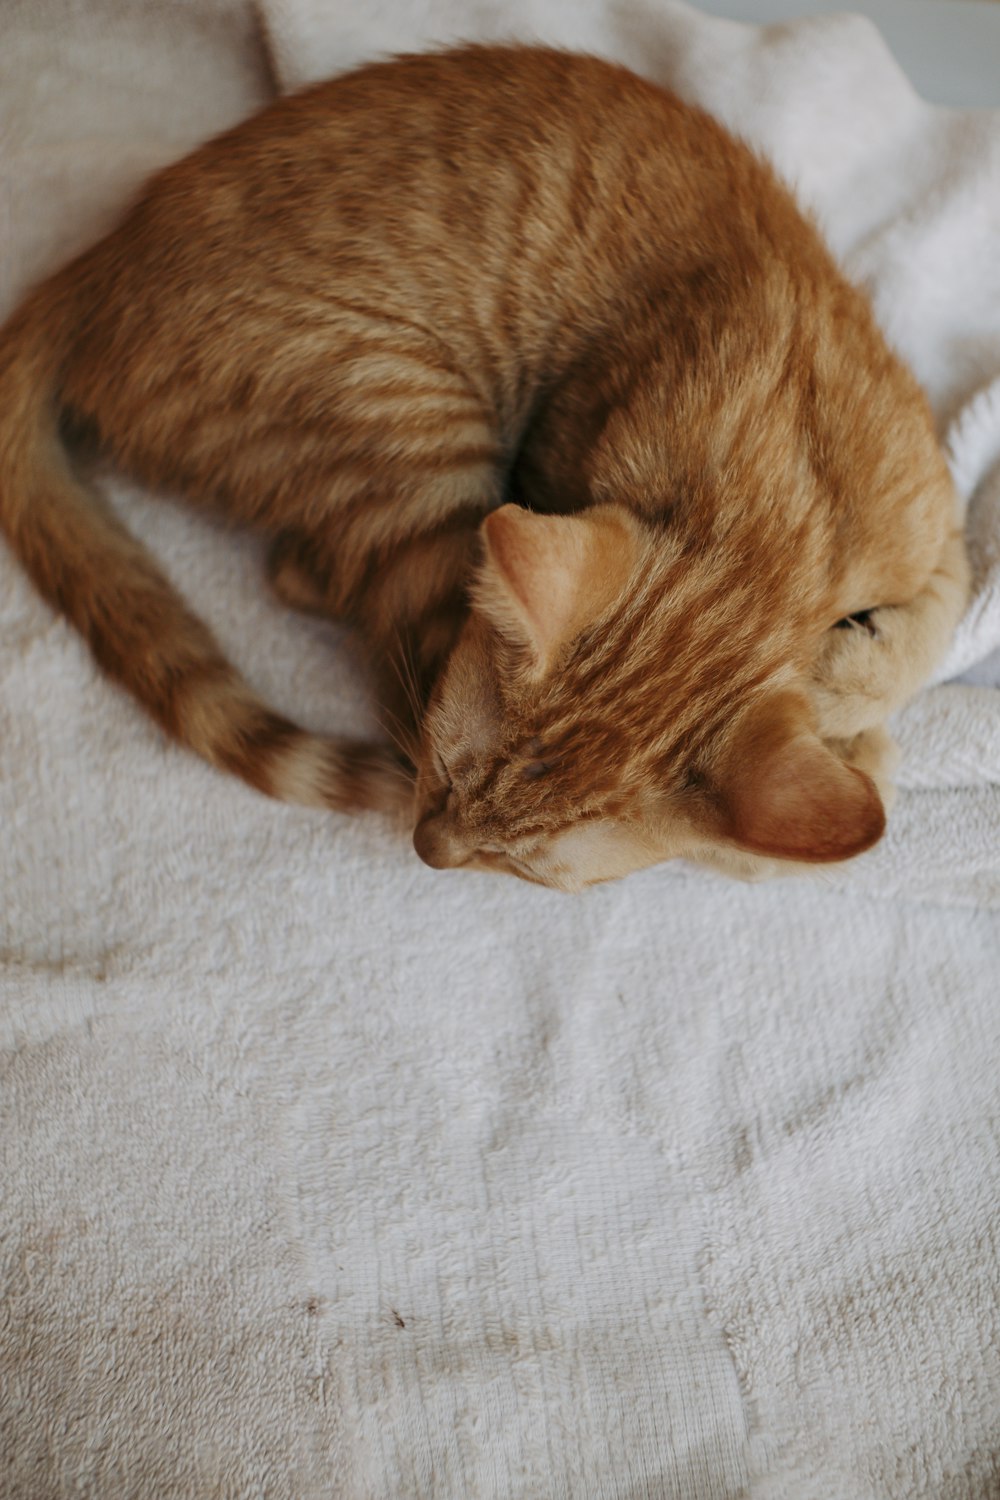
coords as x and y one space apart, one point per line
754 869
736 864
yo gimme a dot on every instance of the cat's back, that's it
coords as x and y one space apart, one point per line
502 215
442 172
512 203
439 120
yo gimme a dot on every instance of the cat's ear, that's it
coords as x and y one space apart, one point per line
786 795
544 578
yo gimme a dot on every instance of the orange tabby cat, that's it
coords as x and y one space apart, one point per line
363 321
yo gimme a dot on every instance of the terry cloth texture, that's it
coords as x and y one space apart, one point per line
329 1177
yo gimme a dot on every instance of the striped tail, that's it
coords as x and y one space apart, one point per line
84 562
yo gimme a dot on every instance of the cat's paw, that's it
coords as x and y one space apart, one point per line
875 752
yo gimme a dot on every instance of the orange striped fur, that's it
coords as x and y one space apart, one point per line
540 378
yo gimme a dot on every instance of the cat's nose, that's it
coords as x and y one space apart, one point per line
435 841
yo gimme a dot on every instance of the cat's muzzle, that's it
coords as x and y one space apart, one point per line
439 844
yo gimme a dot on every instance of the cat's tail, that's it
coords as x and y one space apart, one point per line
84 562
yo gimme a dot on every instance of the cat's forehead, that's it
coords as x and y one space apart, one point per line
670 658
581 760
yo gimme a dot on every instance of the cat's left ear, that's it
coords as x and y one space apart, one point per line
543 579
786 795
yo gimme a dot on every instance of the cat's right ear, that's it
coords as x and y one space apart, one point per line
786 795
543 579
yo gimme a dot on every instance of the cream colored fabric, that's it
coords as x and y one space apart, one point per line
328 1177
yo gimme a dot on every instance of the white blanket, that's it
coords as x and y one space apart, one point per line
328 1177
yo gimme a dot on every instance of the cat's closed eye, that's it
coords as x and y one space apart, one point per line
441 770
537 764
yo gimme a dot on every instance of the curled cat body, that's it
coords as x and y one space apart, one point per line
540 378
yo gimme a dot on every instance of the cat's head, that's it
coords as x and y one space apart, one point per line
617 699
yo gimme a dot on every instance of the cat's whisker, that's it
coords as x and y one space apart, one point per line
402 665
403 738
416 694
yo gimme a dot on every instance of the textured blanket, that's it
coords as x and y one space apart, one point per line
329 1177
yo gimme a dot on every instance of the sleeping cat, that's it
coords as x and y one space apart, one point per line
539 377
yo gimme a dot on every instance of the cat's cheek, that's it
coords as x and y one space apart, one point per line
593 853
